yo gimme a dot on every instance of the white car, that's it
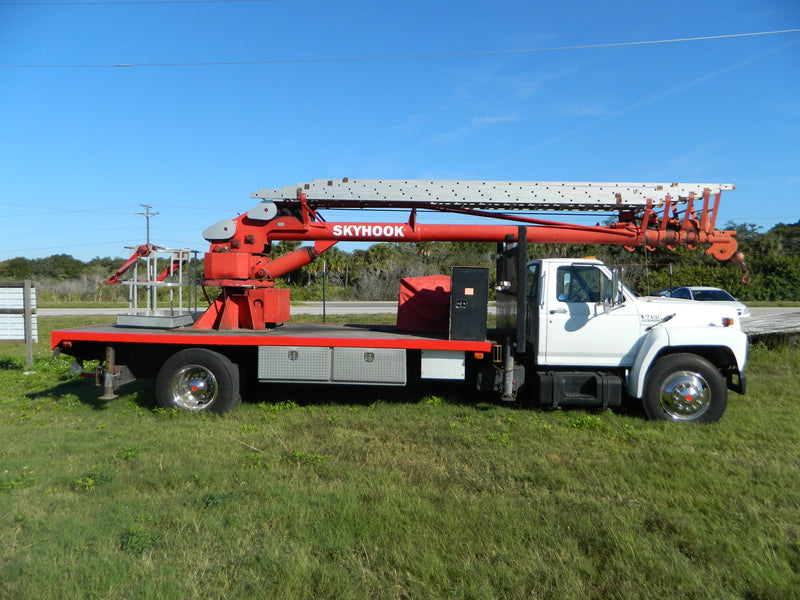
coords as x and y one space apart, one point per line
708 294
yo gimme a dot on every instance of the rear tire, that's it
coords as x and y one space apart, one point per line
685 388
198 380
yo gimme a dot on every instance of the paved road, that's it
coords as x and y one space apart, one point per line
352 308
306 308
772 320
87 312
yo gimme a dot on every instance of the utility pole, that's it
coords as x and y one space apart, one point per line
147 214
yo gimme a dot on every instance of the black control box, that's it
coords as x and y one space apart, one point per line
469 297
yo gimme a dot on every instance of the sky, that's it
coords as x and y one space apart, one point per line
188 106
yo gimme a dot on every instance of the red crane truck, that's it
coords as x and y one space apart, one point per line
568 331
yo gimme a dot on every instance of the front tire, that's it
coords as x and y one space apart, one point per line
685 388
198 380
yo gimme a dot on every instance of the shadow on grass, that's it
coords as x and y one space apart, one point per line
318 395
10 363
309 394
142 393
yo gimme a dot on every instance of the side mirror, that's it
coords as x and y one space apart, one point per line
615 287
615 298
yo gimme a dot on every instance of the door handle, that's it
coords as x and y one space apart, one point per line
558 311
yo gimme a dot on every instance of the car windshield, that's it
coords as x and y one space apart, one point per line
718 295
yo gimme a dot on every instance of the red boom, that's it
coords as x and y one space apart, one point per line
238 262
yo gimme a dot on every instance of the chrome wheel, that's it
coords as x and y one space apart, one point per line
193 387
685 395
198 380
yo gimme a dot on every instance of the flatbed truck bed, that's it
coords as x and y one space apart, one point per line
206 363
289 334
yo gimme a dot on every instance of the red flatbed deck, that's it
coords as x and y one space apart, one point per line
290 334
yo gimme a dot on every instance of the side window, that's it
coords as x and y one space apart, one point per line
563 279
681 293
581 284
533 282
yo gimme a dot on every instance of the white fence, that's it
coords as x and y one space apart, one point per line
18 315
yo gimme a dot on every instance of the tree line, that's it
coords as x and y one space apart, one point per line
772 260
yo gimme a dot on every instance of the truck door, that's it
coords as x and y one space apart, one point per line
577 330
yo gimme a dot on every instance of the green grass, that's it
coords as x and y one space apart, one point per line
352 493
56 303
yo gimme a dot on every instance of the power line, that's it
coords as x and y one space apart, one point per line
131 2
61 247
404 56
64 211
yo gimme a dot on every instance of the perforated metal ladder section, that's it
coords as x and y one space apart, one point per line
487 195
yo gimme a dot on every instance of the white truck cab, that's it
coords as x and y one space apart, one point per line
585 331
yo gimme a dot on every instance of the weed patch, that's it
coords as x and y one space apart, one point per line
128 452
212 499
10 482
138 541
587 421
10 363
308 458
91 480
254 460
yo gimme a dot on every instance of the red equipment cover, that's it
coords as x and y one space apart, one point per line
424 304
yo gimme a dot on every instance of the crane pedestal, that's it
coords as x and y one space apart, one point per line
246 308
